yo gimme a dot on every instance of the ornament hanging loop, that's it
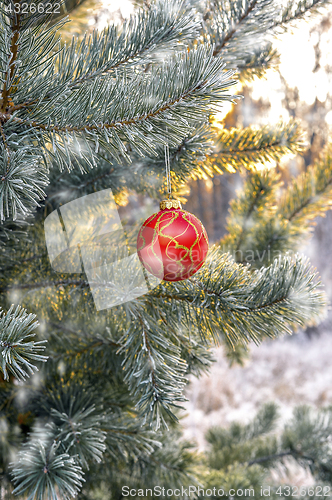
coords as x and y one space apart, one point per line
168 172
169 203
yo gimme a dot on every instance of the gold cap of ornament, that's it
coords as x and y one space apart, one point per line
170 204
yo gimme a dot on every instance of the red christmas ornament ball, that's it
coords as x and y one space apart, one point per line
172 244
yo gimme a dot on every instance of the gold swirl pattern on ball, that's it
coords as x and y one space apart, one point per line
159 232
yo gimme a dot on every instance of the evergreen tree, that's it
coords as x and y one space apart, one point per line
241 458
96 114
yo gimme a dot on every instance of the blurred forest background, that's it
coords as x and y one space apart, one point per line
298 369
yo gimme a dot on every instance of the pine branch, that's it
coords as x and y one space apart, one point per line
240 15
142 175
93 348
98 54
3 137
295 11
282 223
276 456
80 434
236 457
195 353
236 355
5 43
309 195
64 122
84 336
247 212
263 423
230 25
12 232
172 463
8 77
127 438
37 14
13 235
22 179
17 351
152 367
139 41
240 306
132 117
67 130
258 62
237 306
143 35
76 422
187 159
35 67
41 469
240 444
307 437
245 147
91 421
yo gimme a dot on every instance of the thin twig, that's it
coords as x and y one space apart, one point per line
102 126
230 34
250 309
291 453
14 50
45 284
148 347
6 146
